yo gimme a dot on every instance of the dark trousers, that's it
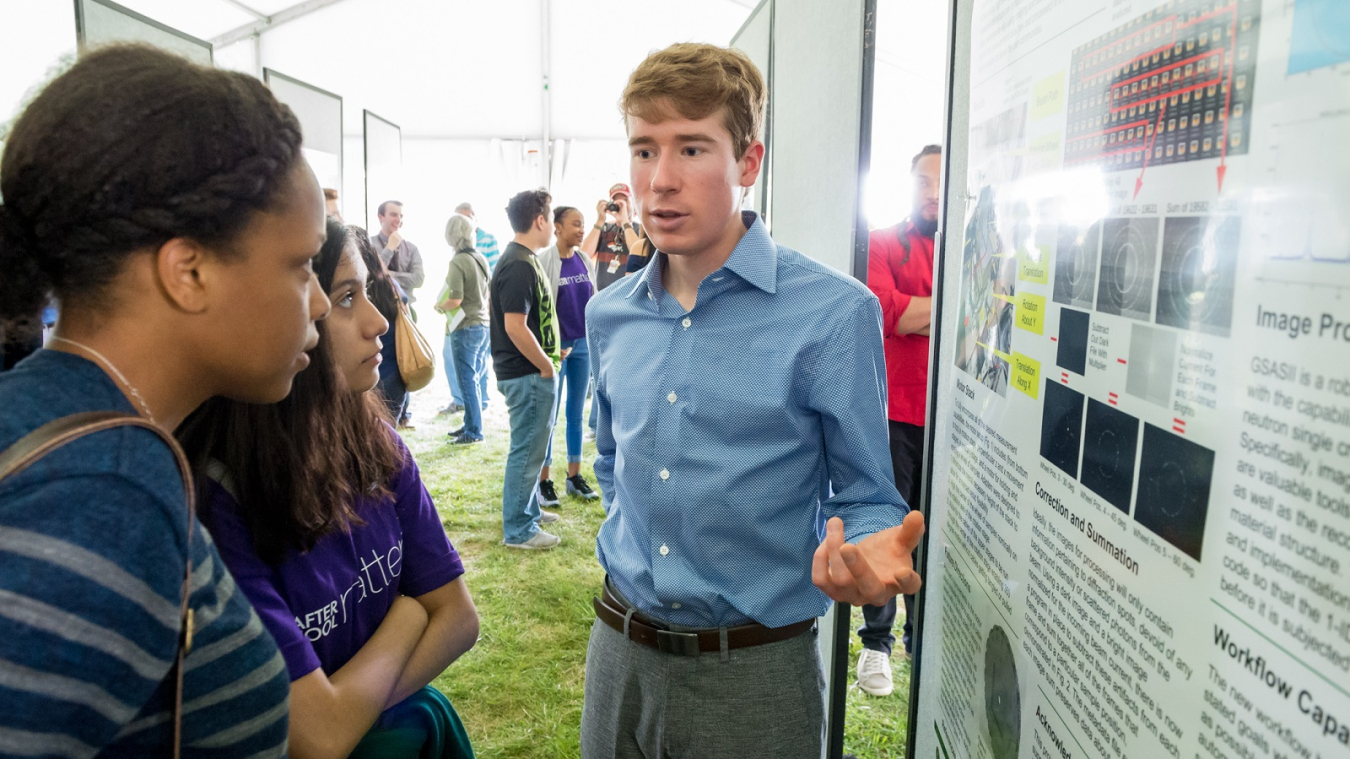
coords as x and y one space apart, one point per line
907 464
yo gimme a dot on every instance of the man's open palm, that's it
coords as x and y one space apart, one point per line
872 572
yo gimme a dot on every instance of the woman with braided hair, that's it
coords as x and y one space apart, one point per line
167 207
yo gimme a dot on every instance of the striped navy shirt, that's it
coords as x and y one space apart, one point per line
92 541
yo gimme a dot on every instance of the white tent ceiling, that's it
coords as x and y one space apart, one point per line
461 68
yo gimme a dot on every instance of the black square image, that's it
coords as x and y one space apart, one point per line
1174 477
1073 340
1199 272
1061 427
1109 442
1129 258
1076 264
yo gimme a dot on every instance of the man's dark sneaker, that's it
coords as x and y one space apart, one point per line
463 439
456 431
453 408
545 493
579 487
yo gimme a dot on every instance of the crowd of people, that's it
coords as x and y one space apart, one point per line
215 538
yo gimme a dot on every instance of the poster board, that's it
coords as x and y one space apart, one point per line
1140 504
384 165
755 39
821 95
101 22
320 115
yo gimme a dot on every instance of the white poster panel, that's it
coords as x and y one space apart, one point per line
755 39
102 22
320 115
1141 486
817 94
384 166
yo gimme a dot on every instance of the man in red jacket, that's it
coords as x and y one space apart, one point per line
900 273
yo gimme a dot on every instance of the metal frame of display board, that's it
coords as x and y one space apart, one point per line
956 116
80 26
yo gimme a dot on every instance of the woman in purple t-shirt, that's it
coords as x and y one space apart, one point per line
320 514
571 275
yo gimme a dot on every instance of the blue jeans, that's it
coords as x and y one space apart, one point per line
466 344
531 402
452 374
573 379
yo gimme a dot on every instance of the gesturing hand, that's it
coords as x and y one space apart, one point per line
872 572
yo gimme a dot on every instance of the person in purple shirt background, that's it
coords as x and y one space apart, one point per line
571 275
319 512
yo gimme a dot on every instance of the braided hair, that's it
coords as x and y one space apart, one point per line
127 150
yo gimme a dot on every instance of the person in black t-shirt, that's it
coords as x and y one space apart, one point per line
525 358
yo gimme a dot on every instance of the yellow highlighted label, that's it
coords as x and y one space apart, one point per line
1034 266
1026 375
1043 154
1031 313
1047 97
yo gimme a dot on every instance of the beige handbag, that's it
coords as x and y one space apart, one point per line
416 359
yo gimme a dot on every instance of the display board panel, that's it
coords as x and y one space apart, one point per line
1141 424
755 39
320 115
101 22
820 88
384 165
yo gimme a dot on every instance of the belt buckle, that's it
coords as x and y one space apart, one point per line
680 643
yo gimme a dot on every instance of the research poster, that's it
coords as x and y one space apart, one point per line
1140 534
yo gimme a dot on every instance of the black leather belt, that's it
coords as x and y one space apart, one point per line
694 642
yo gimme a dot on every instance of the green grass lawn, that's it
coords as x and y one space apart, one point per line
520 689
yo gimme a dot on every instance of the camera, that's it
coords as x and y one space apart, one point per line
612 208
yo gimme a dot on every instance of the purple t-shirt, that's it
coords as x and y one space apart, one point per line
574 290
323 605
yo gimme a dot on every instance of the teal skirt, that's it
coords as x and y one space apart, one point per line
424 725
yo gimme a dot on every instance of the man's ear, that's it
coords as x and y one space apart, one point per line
183 273
751 163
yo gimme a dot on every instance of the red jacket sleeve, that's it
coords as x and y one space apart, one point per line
882 246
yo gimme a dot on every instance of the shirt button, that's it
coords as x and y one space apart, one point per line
672 397
665 549
686 322
665 474
675 605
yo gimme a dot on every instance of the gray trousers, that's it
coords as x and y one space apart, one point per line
751 702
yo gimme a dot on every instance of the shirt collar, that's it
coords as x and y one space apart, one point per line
754 259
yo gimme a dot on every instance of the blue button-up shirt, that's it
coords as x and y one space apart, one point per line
728 434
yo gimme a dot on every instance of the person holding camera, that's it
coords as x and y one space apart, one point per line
608 243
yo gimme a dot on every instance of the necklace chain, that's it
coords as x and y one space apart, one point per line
135 395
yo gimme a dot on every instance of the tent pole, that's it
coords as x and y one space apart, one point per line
545 57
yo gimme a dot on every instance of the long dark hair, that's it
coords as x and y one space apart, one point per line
127 150
381 290
298 467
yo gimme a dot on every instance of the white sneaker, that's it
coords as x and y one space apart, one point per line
874 673
547 517
540 542
588 435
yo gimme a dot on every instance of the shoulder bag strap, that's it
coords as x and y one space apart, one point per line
59 432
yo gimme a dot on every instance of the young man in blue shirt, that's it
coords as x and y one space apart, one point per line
742 445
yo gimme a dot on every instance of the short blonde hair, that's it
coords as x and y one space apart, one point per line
459 233
692 81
